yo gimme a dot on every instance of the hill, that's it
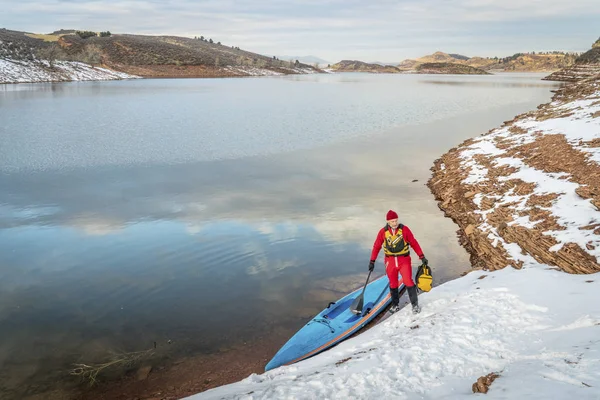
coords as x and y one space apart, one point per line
439 56
522 62
586 65
312 60
147 56
410 66
449 68
360 66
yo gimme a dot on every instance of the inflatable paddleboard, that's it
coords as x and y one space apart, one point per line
334 324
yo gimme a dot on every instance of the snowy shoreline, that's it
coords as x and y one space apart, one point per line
38 71
481 323
19 71
528 192
524 195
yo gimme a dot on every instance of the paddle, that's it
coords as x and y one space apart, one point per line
357 304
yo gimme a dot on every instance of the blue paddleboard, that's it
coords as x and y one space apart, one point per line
334 324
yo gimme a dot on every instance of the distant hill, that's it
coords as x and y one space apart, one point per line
586 66
148 56
449 68
523 62
382 63
408 65
63 32
360 66
439 56
459 56
591 56
305 59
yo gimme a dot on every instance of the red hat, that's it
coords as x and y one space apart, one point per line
391 215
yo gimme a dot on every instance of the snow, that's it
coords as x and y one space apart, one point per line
255 71
538 328
575 121
478 173
252 71
579 127
17 71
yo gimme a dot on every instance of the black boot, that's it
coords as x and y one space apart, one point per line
414 300
395 300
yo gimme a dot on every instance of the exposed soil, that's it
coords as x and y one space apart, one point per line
187 376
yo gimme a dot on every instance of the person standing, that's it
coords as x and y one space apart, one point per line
395 239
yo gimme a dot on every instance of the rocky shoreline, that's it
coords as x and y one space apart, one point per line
529 191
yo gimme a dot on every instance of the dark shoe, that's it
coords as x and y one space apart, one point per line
414 300
394 308
412 295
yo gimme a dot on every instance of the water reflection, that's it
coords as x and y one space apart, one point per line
489 84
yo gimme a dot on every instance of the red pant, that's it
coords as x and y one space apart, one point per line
395 265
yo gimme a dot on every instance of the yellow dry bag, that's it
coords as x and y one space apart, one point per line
424 279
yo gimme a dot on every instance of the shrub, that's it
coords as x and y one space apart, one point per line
91 55
85 34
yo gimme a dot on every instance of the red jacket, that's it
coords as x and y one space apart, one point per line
408 237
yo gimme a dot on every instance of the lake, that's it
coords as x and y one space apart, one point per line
192 216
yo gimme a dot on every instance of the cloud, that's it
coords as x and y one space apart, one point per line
331 29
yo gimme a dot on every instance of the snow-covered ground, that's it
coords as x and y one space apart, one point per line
578 122
255 71
538 328
252 71
17 71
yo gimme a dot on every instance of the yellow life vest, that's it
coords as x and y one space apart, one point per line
395 245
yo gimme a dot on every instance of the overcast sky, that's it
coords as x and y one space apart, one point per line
368 30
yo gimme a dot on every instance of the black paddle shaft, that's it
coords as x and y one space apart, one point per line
358 303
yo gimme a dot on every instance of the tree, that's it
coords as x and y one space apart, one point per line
219 43
210 40
92 55
51 54
105 34
85 34
202 38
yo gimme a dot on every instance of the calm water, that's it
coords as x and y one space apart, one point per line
213 212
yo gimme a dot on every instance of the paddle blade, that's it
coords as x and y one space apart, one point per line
357 305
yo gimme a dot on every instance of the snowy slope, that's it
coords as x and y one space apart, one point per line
537 327
527 192
255 71
577 121
17 71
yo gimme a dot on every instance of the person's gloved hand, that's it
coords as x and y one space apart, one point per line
424 260
371 265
